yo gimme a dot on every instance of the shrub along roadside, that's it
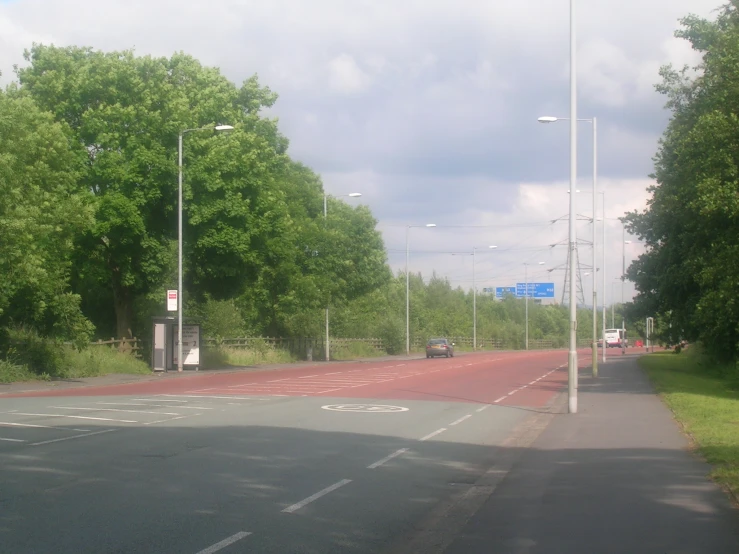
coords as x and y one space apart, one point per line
28 357
705 400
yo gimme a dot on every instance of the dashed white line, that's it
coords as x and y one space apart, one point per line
512 392
79 417
308 376
73 437
460 420
224 543
160 400
534 381
388 458
278 380
482 408
499 399
10 424
110 410
11 440
170 419
319 494
334 373
432 435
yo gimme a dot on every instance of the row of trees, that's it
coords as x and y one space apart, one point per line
88 172
689 277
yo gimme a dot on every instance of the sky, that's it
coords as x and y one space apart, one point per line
429 109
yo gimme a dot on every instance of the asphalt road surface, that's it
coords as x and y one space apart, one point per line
341 457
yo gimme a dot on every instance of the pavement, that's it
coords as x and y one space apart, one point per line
468 454
618 476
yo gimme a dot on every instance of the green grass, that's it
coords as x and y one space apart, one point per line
354 350
64 362
225 356
705 400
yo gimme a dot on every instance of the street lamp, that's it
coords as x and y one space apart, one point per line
604 275
407 288
526 296
325 217
594 121
474 300
179 235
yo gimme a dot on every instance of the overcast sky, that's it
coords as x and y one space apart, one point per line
429 108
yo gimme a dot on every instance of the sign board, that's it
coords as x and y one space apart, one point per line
535 290
500 292
190 345
171 300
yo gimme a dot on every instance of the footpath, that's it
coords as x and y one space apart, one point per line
617 477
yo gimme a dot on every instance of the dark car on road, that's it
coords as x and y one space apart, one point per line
439 347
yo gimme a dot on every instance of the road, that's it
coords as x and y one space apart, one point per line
339 457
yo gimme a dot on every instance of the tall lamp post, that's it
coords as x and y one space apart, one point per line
604 276
526 296
179 234
325 218
594 121
407 287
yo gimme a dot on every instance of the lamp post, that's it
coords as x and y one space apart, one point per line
179 234
604 276
407 287
325 218
594 121
526 301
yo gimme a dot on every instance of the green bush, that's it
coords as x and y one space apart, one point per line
13 373
353 350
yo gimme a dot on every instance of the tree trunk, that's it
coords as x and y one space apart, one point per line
123 300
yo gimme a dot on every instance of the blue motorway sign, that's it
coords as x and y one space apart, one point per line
500 292
535 290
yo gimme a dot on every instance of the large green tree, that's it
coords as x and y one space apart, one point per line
690 273
127 112
42 213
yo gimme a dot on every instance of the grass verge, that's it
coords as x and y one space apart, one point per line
237 357
354 350
705 401
64 362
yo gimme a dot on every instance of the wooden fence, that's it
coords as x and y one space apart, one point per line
127 346
306 347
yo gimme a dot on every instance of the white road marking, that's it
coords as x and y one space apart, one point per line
9 424
234 397
160 400
334 373
388 458
431 435
512 393
79 417
110 410
460 420
170 419
482 408
499 399
319 494
73 437
153 406
534 381
278 380
224 543
11 440
308 376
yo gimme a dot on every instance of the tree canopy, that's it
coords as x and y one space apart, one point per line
689 276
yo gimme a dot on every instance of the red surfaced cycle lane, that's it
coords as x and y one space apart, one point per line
509 378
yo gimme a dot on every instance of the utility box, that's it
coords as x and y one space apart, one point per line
164 344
